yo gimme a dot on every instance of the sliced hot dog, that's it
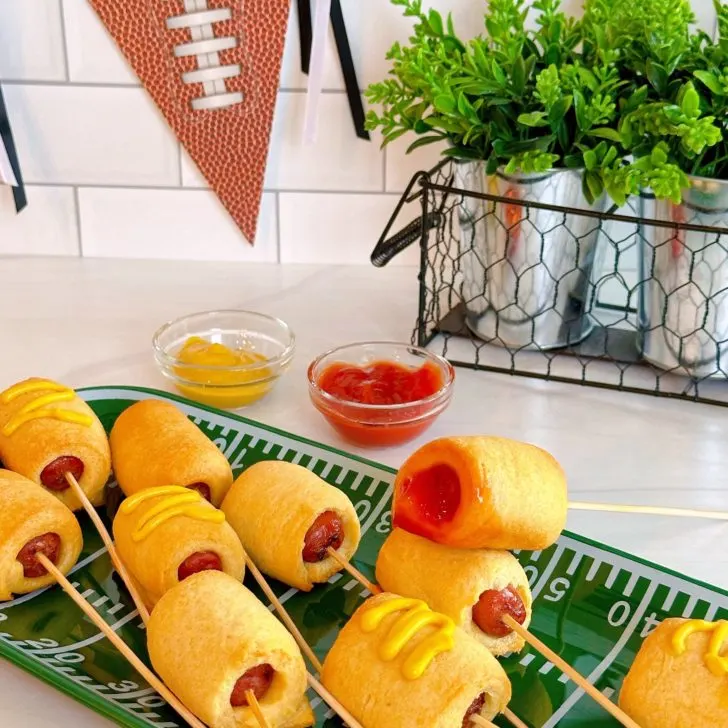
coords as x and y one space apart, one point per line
48 544
327 530
202 488
493 605
475 707
199 561
53 476
257 679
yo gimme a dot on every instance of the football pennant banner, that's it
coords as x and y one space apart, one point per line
212 67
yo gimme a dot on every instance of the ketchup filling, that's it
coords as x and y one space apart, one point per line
200 561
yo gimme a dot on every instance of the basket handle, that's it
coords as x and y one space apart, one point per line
388 249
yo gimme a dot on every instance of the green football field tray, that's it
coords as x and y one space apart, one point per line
592 604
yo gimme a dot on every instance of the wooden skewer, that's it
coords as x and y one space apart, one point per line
108 542
328 698
649 510
513 718
285 617
255 708
567 669
479 720
120 645
347 566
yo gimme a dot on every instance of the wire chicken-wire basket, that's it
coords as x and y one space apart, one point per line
520 275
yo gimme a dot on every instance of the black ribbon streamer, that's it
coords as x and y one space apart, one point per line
347 61
7 136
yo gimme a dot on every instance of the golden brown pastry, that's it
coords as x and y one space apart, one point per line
481 492
33 521
153 443
679 678
46 431
166 534
474 587
287 517
431 675
210 640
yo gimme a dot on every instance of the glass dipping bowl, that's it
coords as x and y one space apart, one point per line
380 425
267 339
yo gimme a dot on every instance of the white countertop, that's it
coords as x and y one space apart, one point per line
90 322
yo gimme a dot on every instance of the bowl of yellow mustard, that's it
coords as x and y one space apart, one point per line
226 359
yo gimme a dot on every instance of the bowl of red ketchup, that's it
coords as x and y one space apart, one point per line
378 393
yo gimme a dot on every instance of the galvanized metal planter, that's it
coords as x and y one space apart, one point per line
683 306
526 271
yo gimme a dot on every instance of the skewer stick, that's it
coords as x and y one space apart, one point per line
330 700
255 708
479 720
120 645
513 718
649 510
108 542
567 669
283 614
373 588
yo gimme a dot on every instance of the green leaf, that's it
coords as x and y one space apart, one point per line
690 101
553 54
657 76
466 108
574 161
604 132
594 186
423 141
534 118
518 76
498 74
421 126
450 25
434 20
709 80
590 159
580 110
559 109
445 103
388 138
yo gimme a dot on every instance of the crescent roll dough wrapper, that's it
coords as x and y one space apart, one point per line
209 631
153 443
451 581
668 690
272 506
26 513
158 529
378 694
42 421
482 492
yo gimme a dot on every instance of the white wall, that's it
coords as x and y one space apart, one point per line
106 177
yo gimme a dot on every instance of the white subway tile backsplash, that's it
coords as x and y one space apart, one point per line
93 56
91 135
47 226
191 176
402 166
337 160
31 41
372 27
339 228
179 224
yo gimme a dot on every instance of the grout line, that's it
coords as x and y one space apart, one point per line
278 227
291 191
64 41
77 206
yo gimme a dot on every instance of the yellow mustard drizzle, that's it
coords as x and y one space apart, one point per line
715 663
38 408
175 501
417 615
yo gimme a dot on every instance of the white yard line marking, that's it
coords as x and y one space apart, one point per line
268 447
594 570
298 457
607 661
377 510
135 694
372 489
341 476
285 597
253 441
613 574
546 574
365 593
116 608
564 678
608 692
574 565
710 614
100 602
356 483
690 607
91 640
350 585
282 453
233 446
546 668
536 555
326 470
526 660
631 584
333 579
669 600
